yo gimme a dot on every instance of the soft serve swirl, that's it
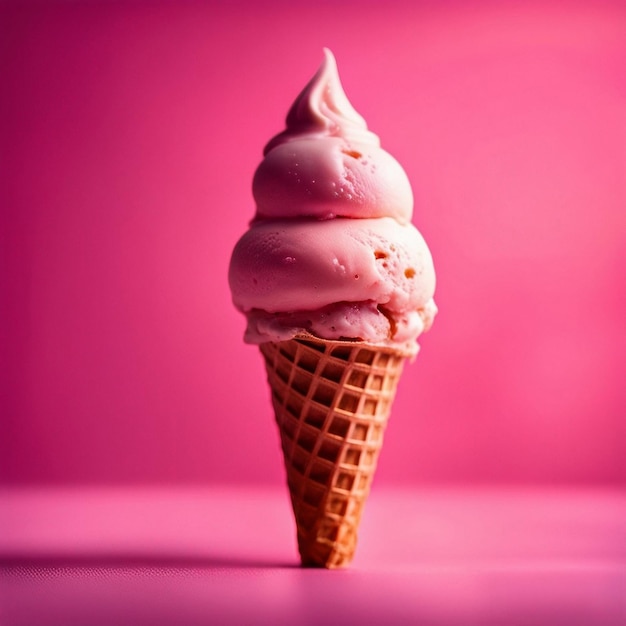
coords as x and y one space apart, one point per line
327 163
331 250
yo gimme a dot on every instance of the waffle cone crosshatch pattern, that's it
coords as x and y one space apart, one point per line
332 401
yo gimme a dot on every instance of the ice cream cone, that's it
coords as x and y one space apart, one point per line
331 249
332 401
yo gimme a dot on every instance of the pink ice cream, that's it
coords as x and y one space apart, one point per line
331 250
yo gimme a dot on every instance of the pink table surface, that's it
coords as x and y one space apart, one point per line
94 556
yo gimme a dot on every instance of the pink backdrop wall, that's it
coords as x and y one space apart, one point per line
129 133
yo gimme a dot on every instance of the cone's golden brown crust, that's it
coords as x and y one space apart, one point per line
332 401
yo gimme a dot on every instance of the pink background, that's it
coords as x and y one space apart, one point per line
129 133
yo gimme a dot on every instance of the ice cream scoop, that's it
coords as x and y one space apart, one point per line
332 233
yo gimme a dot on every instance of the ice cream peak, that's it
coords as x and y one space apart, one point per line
331 251
327 163
322 108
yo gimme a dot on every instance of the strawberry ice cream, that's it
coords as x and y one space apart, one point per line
331 250
337 285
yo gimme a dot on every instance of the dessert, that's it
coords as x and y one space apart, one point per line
336 285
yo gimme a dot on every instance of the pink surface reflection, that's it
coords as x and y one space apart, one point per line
229 556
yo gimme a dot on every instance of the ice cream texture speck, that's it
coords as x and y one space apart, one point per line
331 251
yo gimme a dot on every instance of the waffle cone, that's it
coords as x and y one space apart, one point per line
332 401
